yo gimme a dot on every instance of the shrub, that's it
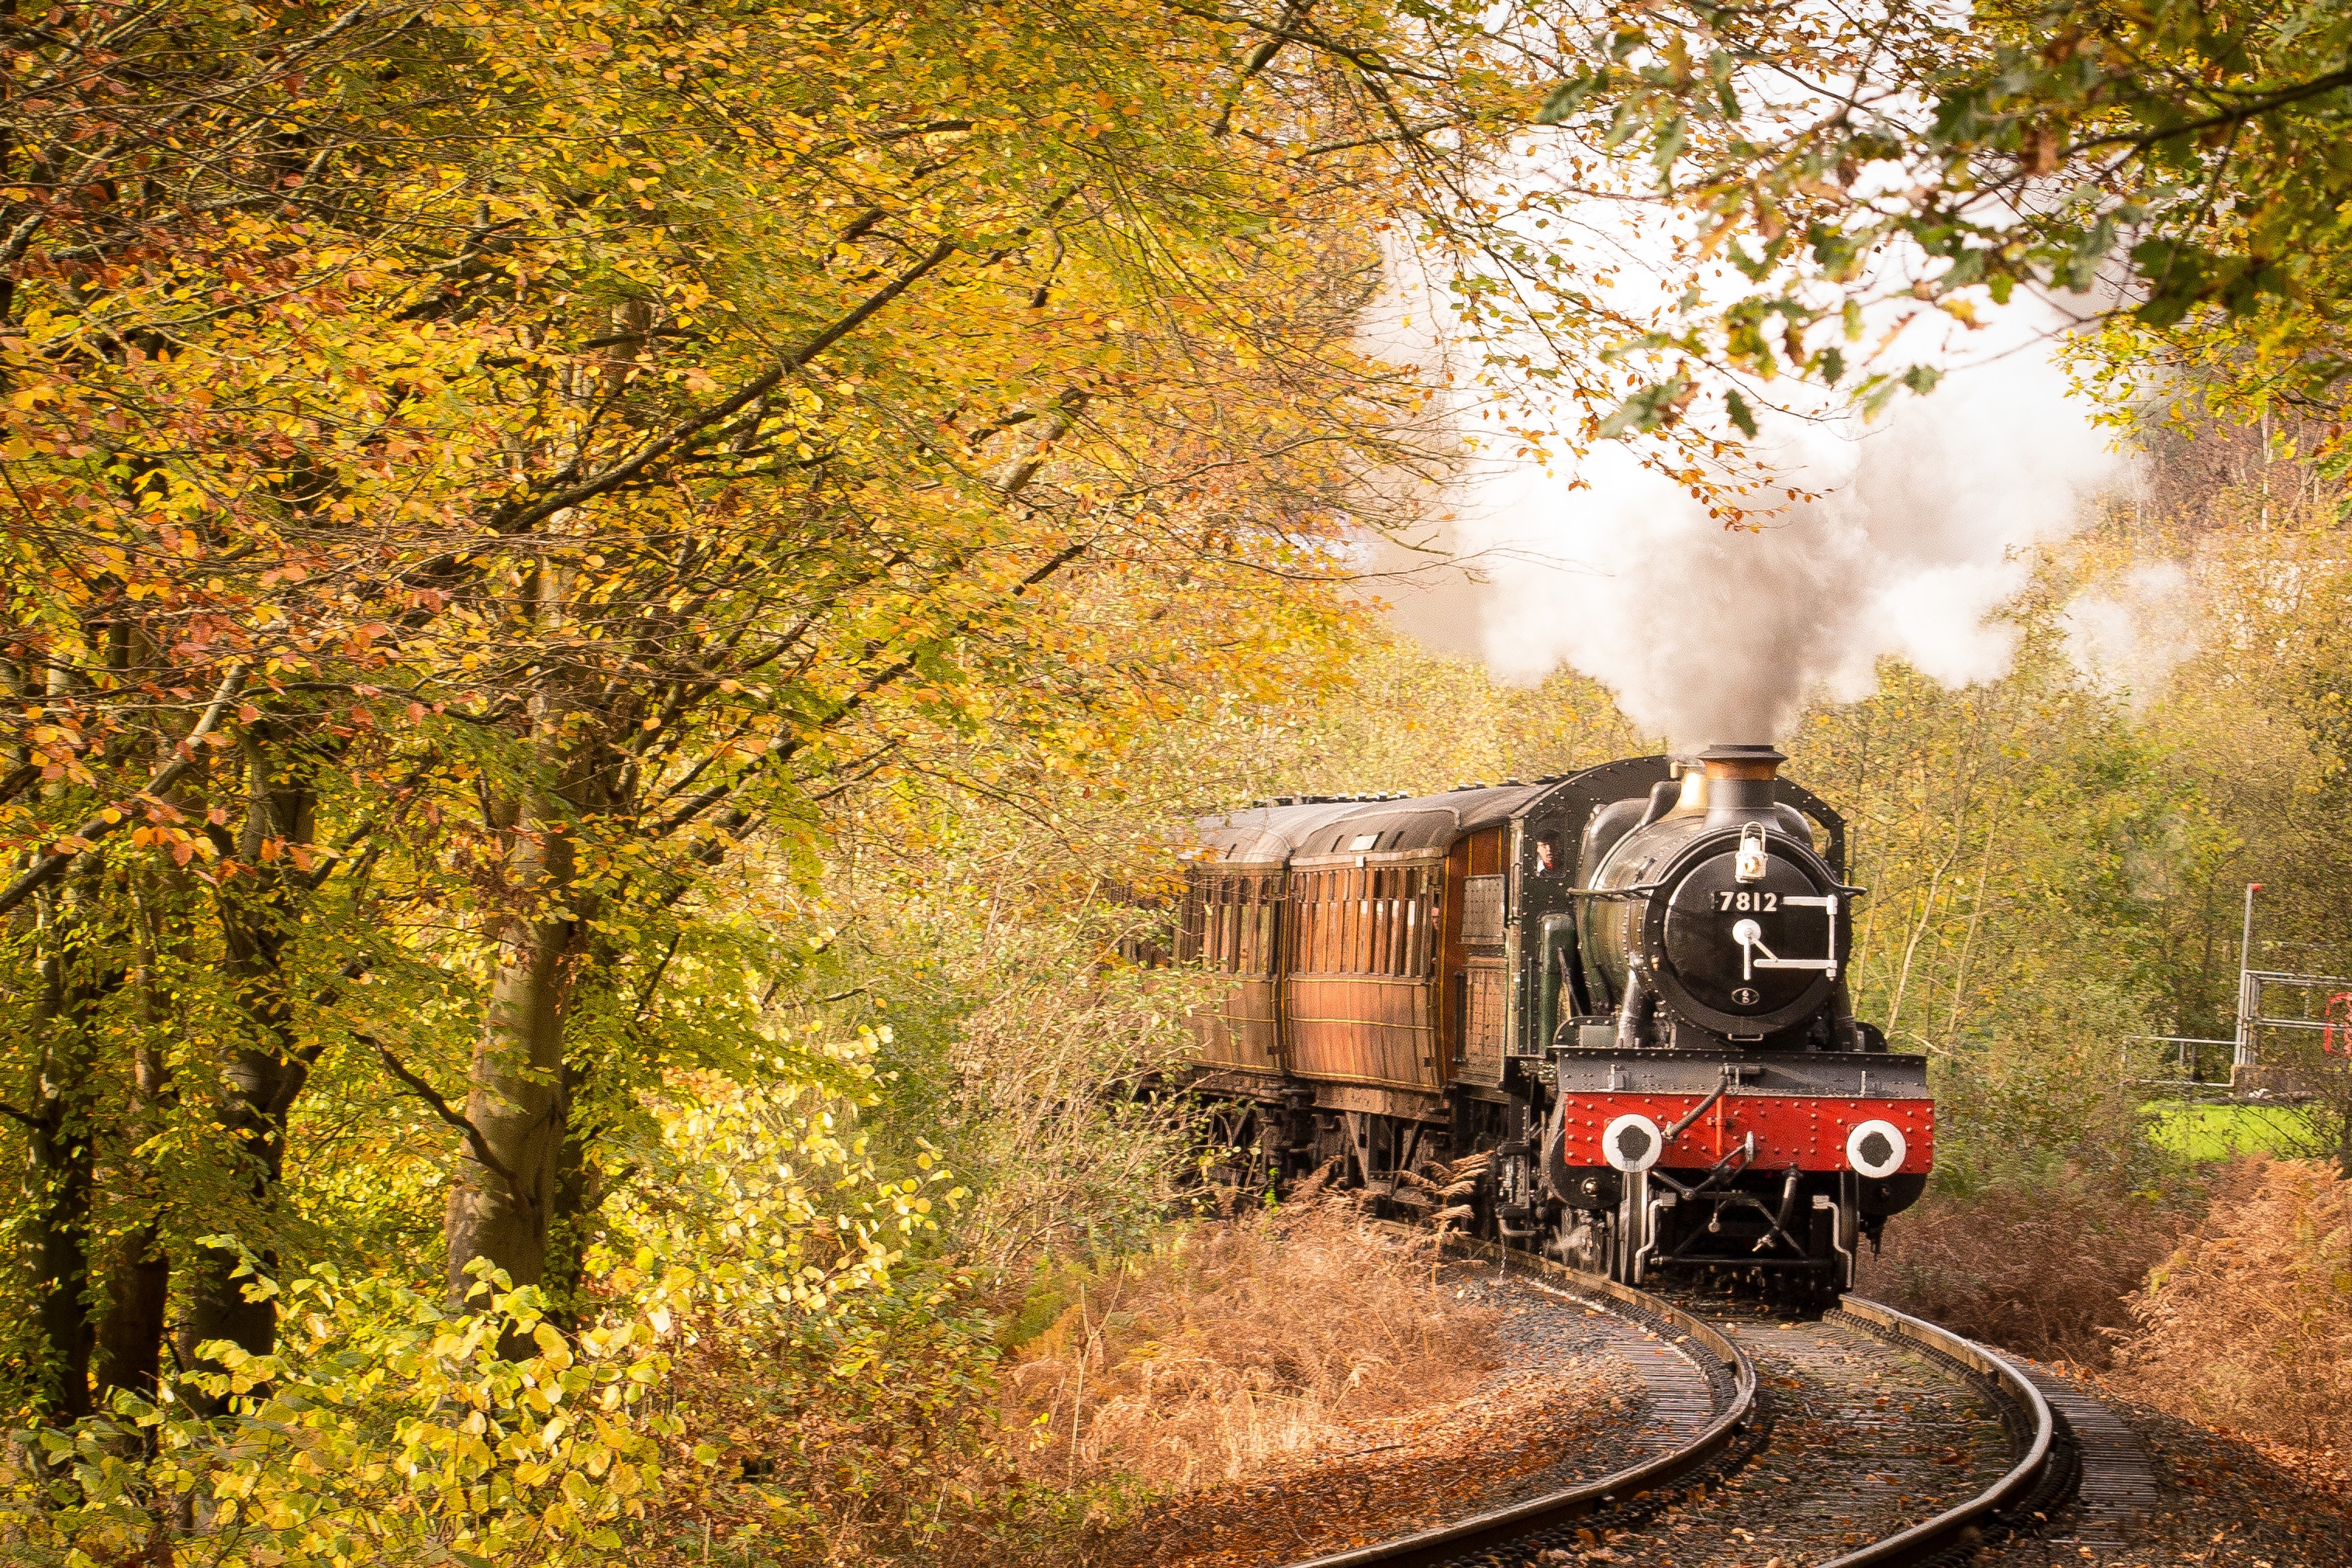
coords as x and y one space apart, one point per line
2249 1324
1239 1343
386 1429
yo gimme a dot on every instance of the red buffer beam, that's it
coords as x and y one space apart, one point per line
1809 1131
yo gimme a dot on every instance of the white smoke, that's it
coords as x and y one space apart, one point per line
1920 538
2127 635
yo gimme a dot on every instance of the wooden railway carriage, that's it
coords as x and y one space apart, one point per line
1498 980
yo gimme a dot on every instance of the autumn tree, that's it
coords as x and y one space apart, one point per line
479 469
2172 172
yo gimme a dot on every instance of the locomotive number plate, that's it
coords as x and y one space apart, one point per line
1747 900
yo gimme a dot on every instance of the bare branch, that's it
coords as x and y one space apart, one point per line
477 1144
681 437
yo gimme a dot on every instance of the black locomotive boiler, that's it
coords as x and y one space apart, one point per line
1604 1014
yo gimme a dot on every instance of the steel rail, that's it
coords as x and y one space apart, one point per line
1959 1525
1954 1529
1495 1526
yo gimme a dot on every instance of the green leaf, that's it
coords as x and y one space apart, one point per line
1673 138
1646 409
1719 65
1741 414
1570 95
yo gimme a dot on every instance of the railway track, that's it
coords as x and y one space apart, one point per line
1866 1440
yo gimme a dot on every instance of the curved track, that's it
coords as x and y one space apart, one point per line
1722 1369
1870 1430
2041 1475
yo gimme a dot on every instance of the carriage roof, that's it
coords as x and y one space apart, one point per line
1290 827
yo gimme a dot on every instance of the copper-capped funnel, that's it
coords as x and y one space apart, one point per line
1740 779
1761 762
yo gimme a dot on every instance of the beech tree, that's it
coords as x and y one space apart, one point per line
479 469
2172 173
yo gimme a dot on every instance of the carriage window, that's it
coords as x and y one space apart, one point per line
1364 920
1482 911
1228 922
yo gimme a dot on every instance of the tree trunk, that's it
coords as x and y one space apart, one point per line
138 1272
261 1085
76 978
259 914
511 1189
131 1335
502 1203
61 1158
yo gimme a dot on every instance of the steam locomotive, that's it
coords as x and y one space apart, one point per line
1602 1013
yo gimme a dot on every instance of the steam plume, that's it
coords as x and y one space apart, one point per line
1709 635
2127 635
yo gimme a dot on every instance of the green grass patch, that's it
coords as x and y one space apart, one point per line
2225 1132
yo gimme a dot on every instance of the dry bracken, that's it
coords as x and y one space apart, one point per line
2249 1326
1264 1336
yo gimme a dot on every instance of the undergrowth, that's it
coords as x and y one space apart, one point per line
2248 1325
882 1440
1237 1344
2043 1264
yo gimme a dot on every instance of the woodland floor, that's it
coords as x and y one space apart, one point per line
2225 1502
1558 1409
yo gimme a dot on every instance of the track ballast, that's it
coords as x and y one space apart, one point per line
1864 1440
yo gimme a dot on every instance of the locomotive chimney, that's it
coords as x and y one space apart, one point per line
1739 781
